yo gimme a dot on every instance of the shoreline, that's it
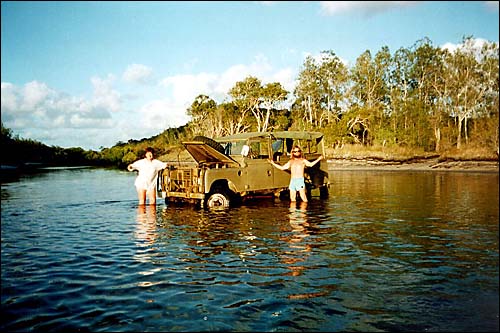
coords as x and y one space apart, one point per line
434 164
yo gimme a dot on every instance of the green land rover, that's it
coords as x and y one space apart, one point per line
231 168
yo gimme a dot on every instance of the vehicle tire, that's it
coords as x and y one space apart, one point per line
308 191
210 142
284 195
218 199
323 192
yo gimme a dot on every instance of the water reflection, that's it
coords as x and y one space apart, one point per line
298 245
146 232
146 235
386 252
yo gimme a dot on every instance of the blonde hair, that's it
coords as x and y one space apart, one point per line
296 147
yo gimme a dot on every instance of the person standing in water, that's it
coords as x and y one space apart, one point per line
297 164
145 183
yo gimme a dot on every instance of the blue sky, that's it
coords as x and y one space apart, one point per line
90 74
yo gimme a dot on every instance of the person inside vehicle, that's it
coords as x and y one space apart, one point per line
297 164
145 182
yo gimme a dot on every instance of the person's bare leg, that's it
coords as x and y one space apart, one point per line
293 195
141 194
303 195
303 205
152 197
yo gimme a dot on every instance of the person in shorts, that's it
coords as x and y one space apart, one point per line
297 164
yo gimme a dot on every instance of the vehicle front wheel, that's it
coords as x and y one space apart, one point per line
218 199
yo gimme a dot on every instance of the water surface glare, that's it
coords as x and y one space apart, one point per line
387 251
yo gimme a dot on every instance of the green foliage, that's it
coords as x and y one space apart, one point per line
129 158
421 97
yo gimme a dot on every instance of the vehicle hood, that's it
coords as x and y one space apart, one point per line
203 153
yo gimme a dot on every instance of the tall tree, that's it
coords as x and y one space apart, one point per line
369 92
273 96
428 72
471 82
246 96
321 89
206 117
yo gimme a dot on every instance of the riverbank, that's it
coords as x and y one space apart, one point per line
424 164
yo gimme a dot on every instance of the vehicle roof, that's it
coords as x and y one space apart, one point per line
298 135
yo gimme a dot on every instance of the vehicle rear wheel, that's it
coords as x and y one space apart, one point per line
218 199
323 192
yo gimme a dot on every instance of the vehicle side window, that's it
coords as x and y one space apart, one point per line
227 148
263 149
289 146
234 148
277 147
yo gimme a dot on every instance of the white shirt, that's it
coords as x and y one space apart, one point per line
148 173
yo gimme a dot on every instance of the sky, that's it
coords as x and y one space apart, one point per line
92 74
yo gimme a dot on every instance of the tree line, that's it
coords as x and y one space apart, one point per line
422 96
419 97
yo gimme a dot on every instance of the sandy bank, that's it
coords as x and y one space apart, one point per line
417 165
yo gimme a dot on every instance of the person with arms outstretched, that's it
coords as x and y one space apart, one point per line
145 182
297 164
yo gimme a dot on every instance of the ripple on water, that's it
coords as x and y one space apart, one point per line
384 253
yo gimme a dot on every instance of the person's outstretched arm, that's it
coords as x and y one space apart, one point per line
313 163
281 167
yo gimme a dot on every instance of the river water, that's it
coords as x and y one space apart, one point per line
387 251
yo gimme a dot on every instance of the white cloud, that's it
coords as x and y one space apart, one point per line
35 93
104 95
366 8
138 73
476 47
162 114
42 113
286 77
9 98
186 87
478 43
34 110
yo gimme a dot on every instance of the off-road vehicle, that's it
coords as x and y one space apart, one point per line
231 168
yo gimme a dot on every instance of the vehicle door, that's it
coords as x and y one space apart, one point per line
279 155
259 173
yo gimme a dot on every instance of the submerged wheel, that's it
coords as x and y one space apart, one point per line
218 199
323 192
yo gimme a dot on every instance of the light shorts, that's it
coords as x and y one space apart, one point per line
297 184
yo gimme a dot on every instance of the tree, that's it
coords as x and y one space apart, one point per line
430 90
234 120
308 92
246 95
206 117
473 79
369 92
321 90
273 95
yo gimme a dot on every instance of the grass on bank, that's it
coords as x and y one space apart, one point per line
397 153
